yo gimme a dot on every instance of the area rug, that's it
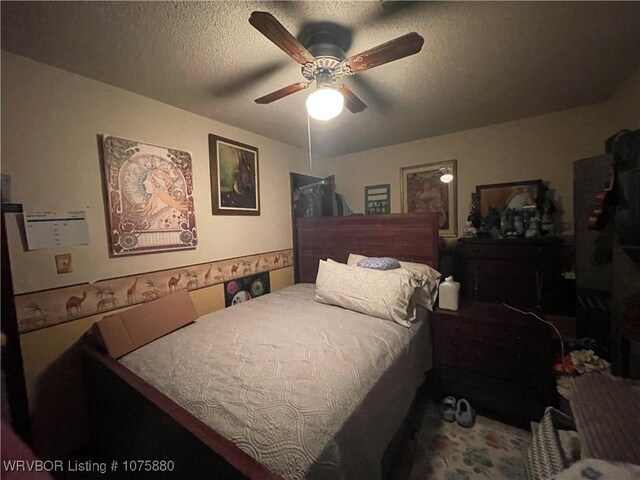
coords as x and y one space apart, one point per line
447 451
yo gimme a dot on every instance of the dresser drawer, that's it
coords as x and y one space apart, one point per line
516 271
482 251
510 365
533 252
491 332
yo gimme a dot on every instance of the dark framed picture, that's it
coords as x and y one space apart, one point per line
516 195
423 191
235 181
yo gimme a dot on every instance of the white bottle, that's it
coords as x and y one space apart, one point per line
449 294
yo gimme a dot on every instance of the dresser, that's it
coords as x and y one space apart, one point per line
498 359
521 272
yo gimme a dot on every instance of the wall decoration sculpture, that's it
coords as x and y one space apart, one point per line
150 197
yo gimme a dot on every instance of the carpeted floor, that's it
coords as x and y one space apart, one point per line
439 450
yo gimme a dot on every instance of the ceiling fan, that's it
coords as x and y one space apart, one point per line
324 61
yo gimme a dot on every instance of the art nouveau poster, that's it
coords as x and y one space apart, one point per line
150 197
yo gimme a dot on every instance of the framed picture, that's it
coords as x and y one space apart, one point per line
377 199
421 190
235 181
150 197
516 195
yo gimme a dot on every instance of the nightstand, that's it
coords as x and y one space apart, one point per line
498 359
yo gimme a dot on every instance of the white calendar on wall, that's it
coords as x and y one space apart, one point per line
53 229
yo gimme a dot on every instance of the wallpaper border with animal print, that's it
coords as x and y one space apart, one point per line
36 310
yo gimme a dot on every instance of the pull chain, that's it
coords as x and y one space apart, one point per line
309 135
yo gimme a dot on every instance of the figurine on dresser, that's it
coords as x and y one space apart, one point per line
469 231
534 228
490 226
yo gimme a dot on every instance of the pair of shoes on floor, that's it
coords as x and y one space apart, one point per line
459 410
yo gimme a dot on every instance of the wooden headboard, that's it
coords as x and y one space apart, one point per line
406 236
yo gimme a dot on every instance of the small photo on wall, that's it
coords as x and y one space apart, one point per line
235 185
246 288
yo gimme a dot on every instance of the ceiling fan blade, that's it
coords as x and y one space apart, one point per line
283 92
271 28
351 100
367 86
401 47
393 6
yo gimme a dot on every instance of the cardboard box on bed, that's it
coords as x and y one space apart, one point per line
124 332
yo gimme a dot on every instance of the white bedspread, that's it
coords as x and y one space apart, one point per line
309 390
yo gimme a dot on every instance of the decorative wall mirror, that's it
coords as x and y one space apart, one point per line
515 195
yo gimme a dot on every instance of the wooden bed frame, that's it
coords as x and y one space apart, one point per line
131 420
412 237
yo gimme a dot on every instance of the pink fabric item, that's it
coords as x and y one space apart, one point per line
13 448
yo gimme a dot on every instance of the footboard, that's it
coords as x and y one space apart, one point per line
130 420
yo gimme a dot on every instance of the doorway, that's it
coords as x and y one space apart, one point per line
310 197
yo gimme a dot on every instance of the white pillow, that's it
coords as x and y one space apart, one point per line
428 280
413 312
382 294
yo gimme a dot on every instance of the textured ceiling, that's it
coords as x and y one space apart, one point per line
482 62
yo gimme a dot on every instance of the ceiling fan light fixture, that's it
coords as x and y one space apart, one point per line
325 103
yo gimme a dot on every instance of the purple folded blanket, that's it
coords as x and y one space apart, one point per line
607 415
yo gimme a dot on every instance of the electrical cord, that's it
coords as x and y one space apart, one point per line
544 321
309 135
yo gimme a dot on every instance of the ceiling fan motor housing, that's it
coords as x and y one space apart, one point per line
324 78
324 46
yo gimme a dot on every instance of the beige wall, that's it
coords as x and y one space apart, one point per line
538 147
624 105
50 120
